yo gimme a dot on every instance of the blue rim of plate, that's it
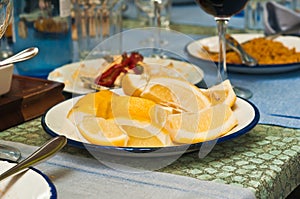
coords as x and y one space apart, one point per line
242 68
143 150
53 190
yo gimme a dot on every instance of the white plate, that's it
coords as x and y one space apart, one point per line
55 123
68 74
31 184
212 42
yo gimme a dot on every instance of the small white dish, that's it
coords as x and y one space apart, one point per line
30 184
6 73
69 73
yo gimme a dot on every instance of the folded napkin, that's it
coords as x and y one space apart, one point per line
78 177
279 18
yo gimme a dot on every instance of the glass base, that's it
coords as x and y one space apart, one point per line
150 42
242 92
9 153
4 54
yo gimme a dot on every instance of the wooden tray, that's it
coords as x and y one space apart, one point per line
28 98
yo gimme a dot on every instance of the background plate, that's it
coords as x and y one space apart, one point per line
69 73
212 42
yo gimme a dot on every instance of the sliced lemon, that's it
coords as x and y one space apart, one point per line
207 124
100 131
221 93
168 91
145 134
133 85
138 109
97 104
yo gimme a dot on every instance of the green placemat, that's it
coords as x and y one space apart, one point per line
266 159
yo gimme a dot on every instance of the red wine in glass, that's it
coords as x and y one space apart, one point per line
222 10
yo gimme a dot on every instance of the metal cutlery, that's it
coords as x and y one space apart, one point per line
46 151
237 47
90 83
21 56
233 44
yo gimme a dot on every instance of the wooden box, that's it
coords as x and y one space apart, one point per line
28 98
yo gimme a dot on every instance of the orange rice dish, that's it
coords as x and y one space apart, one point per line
265 51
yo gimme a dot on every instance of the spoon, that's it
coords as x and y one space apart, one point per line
43 153
236 46
233 44
21 56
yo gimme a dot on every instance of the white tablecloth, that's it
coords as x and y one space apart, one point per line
78 177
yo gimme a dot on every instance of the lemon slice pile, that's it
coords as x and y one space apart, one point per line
161 112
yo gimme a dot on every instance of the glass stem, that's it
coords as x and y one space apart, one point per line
222 26
158 26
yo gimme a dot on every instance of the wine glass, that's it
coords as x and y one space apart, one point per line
157 12
6 7
222 10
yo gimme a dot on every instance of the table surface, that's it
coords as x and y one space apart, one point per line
266 159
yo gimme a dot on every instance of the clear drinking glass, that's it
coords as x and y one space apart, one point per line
6 7
147 7
158 14
254 15
95 22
